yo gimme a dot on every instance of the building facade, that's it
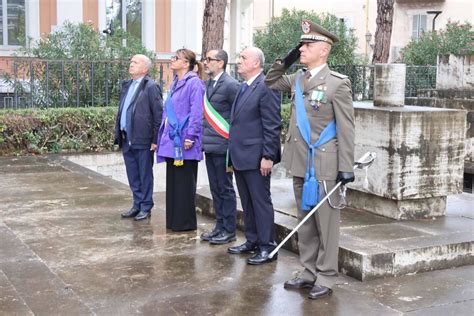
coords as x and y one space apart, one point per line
410 18
163 25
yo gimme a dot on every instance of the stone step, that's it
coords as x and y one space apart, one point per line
373 246
455 103
446 93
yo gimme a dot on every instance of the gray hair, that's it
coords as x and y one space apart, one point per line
222 55
258 55
146 60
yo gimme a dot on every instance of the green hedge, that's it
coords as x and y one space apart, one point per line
56 130
40 131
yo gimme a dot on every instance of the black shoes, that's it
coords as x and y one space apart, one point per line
244 248
206 236
130 213
319 291
143 215
136 214
262 257
298 283
222 238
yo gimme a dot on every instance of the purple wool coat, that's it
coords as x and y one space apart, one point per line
187 98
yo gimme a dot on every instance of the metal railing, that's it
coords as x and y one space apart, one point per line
36 83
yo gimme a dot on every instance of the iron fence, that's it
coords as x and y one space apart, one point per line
48 83
45 83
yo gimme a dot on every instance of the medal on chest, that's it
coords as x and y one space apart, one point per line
317 96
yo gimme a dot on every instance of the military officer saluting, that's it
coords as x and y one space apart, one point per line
318 152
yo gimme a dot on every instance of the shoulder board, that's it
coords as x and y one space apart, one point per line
338 75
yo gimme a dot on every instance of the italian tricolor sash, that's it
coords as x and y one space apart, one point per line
217 122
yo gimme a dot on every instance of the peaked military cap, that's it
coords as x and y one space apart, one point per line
313 32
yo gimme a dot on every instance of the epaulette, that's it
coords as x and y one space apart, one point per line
338 75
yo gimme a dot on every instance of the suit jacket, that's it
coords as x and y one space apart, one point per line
146 113
255 126
221 97
336 155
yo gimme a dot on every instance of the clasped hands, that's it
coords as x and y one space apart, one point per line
188 144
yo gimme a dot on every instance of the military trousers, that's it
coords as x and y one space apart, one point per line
318 237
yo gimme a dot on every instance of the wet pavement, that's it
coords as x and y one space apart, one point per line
65 251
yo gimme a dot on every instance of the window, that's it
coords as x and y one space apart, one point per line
419 26
12 22
125 14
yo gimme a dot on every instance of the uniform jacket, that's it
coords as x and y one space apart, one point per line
255 126
221 97
187 99
146 113
336 155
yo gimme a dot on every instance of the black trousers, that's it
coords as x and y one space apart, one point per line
181 195
222 190
254 191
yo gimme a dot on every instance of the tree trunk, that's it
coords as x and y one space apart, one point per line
213 26
384 31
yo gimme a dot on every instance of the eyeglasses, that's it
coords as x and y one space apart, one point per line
209 59
175 58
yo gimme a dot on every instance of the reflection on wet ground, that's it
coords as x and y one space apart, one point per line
65 251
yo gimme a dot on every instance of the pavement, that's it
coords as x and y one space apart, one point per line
65 251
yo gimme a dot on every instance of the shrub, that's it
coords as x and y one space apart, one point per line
56 130
283 33
456 39
75 65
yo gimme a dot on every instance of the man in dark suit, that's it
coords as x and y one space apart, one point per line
254 147
220 94
136 128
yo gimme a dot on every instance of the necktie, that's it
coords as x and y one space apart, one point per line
308 75
243 87
126 105
210 86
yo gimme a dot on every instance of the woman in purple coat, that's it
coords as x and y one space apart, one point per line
179 141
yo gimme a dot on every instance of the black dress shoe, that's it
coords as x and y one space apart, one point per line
298 283
223 238
319 291
130 213
206 236
262 257
143 215
244 248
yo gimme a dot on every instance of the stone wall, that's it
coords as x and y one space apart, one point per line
455 72
420 151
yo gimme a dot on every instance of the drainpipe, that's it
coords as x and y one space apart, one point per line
436 13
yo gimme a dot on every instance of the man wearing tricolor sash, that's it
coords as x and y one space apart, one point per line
319 152
221 90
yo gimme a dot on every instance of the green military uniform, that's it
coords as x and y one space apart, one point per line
318 238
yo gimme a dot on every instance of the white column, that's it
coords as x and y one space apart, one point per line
241 27
32 19
186 21
69 10
102 15
148 24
